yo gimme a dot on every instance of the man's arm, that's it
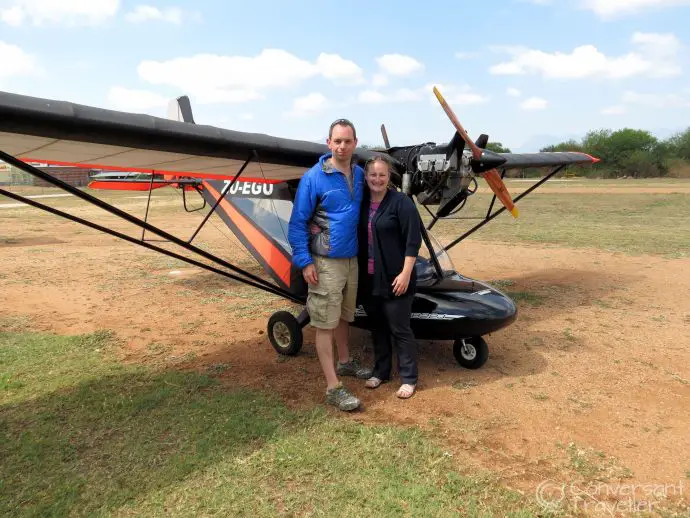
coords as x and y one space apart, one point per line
298 231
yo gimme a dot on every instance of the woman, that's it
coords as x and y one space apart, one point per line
390 225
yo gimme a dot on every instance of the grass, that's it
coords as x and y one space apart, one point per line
594 465
83 434
621 222
520 296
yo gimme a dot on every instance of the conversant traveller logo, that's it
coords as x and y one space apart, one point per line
612 499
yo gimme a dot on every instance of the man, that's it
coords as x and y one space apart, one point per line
328 199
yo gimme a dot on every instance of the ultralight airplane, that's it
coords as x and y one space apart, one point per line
249 180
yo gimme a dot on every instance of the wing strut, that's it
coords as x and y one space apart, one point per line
136 221
148 204
489 217
432 252
222 194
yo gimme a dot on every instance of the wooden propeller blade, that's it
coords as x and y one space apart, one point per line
499 188
476 151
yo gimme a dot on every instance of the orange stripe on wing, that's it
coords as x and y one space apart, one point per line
125 186
270 253
170 174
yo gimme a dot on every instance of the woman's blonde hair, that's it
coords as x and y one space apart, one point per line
385 160
378 158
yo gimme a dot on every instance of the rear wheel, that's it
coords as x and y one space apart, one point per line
471 353
285 333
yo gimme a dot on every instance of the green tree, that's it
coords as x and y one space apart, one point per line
497 147
568 145
679 145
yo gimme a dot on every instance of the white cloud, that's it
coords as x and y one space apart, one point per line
397 96
339 70
656 45
211 78
144 13
16 62
656 57
130 100
513 92
454 94
458 95
311 104
464 98
68 12
399 65
534 103
613 8
379 80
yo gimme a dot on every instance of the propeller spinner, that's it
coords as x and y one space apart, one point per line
484 162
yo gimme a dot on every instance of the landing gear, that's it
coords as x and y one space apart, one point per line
471 353
285 332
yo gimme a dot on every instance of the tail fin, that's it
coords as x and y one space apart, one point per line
180 109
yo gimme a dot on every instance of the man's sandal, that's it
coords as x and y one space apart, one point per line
373 382
406 391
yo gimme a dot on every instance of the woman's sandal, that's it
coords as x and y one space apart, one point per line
373 382
406 391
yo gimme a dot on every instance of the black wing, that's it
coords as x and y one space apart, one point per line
60 132
553 159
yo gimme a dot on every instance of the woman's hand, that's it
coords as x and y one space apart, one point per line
401 282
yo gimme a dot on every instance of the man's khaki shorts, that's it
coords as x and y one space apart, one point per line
335 295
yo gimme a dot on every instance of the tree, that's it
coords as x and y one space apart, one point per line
568 145
679 145
497 147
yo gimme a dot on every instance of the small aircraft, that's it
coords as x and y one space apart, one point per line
249 180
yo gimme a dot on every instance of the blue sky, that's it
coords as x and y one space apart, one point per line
527 72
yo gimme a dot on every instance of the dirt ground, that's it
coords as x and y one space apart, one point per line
590 383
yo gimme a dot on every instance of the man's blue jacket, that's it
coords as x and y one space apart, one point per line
324 198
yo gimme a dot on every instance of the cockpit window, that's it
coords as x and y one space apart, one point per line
424 266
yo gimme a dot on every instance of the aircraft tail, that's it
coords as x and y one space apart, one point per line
180 109
258 214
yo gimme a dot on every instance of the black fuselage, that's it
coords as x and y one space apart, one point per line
453 308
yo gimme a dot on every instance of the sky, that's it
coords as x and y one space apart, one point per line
526 72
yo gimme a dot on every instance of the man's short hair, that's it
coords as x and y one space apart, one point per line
342 122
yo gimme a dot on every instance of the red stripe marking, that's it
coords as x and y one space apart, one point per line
124 186
192 174
594 159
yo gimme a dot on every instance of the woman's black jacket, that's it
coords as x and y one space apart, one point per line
396 233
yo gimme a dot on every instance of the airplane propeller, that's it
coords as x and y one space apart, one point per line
484 162
384 133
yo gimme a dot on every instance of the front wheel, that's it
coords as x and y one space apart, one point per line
471 353
285 333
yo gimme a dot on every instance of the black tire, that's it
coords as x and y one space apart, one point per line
285 333
474 355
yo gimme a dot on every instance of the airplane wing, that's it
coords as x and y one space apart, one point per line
552 159
60 133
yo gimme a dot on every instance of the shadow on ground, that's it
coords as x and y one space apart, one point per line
99 444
